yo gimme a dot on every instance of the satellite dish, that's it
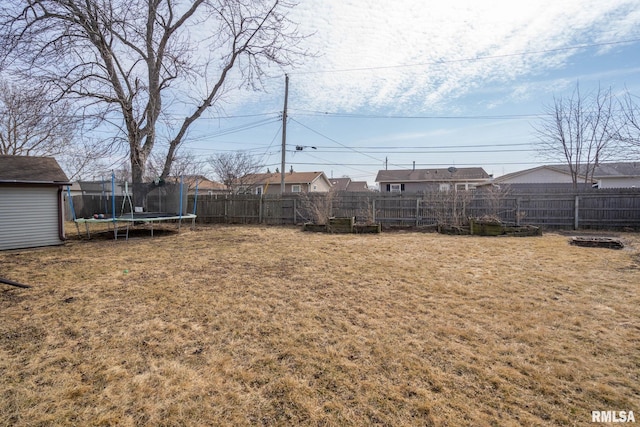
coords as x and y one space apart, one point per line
452 169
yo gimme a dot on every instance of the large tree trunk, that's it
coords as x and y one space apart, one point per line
120 59
138 169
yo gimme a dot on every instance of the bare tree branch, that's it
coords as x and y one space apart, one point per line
235 169
579 131
137 55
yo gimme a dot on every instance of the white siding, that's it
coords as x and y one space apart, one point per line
28 217
619 182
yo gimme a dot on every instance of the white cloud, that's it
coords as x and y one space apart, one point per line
413 55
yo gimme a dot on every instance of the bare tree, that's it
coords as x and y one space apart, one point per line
31 125
579 131
235 170
629 134
131 61
184 163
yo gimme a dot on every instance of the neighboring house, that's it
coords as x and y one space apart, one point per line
345 184
417 180
31 202
547 176
605 175
294 182
617 175
205 185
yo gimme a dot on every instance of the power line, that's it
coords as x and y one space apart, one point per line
515 150
333 140
392 147
313 113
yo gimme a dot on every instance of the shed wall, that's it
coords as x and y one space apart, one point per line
28 216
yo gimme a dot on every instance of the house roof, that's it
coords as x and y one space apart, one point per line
345 184
289 178
618 170
203 182
432 175
358 186
604 170
32 170
564 169
340 184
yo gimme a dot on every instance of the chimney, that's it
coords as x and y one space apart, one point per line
414 165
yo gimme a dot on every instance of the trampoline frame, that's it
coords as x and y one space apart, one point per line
133 218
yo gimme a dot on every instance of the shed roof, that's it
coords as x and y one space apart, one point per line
31 169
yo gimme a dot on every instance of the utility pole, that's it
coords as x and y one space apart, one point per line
284 132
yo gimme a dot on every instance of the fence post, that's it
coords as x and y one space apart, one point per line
295 213
417 211
576 212
373 214
260 210
226 209
518 199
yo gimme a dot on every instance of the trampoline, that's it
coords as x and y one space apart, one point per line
121 224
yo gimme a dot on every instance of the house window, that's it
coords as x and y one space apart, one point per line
259 191
296 188
445 187
395 188
315 187
465 187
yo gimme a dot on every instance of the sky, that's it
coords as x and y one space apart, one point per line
448 83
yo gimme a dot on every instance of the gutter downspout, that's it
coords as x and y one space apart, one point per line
61 234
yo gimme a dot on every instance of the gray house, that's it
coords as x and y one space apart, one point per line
427 180
605 175
31 202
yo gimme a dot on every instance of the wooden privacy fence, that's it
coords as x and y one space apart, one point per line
593 209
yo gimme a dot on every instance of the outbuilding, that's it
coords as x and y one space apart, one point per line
31 202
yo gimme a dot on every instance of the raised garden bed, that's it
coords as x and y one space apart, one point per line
597 242
490 227
342 226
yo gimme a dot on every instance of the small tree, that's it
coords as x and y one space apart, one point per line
318 207
629 134
579 131
235 169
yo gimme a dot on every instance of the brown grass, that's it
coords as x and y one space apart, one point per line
253 325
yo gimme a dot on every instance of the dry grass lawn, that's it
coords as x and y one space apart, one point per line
248 325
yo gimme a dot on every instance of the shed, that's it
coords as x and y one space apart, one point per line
31 202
